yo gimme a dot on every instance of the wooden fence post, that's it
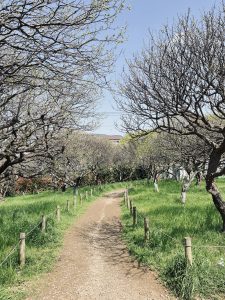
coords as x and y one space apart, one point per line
58 217
43 223
91 192
134 216
128 200
81 199
128 203
131 207
188 250
68 205
22 257
124 198
146 229
86 195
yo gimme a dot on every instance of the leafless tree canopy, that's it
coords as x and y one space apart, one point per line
84 154
177 85
179 79
54 58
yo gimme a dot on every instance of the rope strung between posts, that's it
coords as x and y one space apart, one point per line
140 215
9 254
29 233
169 236
208 246
37 225
172 238
160 230
17 244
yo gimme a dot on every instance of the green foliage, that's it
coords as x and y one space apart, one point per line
170 222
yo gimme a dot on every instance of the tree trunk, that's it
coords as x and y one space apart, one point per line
121 177
198 178
148 179
156 187
186 185
183 196
214 163
217 199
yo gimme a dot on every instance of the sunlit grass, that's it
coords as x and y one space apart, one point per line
170 222
21 214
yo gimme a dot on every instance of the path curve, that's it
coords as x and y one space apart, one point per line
94 263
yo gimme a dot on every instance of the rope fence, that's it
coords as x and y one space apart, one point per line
137 216
42 224
14 249
36 226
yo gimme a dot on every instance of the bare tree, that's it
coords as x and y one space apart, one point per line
55 56
99 157
189 154
125 160
154 156
179 80
83 155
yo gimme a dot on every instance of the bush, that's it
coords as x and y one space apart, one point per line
31 185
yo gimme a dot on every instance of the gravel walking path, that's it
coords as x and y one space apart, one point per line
95 264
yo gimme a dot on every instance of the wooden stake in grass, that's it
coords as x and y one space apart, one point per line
128 202
86 195
22 246
124 198
131 207
81 199
68 205
134 216
188 250
43 223
91 192
146 229
58 214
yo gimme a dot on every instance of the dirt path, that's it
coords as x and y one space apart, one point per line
94 263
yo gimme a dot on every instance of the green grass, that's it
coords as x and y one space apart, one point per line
21 214
170 222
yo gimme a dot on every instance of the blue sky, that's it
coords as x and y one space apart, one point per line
144 15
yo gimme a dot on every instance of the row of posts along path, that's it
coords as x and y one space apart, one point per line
94 262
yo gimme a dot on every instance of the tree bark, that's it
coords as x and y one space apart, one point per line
183 196
156 183
214 163
148 179
186 185
198 178
217 199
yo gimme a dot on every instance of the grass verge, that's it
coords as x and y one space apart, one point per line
22 214
170 222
